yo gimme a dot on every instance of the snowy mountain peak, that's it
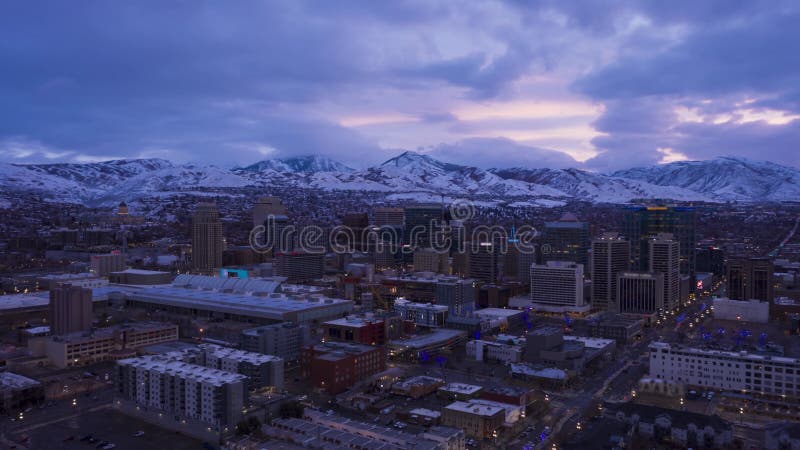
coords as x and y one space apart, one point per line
300 164
413 160
726 178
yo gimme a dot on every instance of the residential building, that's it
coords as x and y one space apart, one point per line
283 340
182 390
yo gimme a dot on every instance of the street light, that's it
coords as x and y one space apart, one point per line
578 426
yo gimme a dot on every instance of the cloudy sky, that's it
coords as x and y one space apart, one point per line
596 84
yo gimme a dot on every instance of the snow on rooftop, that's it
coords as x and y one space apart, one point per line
10 380
166 365
475 408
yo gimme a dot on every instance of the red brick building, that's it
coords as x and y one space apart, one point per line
336 366
360 330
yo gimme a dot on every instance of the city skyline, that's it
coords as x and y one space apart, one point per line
546 84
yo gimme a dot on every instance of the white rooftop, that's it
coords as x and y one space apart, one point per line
461 388
10 380
591 342
738 355
475 408
497 312
165 365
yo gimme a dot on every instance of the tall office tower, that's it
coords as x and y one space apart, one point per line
484 262
640 223
265 207
557 286
510 264
421 221
389 216
610 257
525 259
640 292
664 254
70 309
206 238
459 295
358 224
712 260
102 265
299 267
566 240
751 279
429 260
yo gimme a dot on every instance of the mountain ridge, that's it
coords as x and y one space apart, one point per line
716 180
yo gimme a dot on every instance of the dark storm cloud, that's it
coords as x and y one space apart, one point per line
184 79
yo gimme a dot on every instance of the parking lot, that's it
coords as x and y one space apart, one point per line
105 425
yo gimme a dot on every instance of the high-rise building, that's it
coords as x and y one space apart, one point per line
751 279
640 292
102 265
70 309
558 286
421 222
265 207
430 260
357 224
299 267
711 260
484 262
610 257
458 294
641 223
207 245
525 259
664 255
389 216
566 240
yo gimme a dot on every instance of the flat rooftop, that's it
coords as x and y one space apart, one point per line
722 353
10 381
590 342
194 372
39 300
497 312
461 388
353 321
475 408
238 355
273 306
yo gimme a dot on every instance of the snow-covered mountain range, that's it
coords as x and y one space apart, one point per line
720 179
